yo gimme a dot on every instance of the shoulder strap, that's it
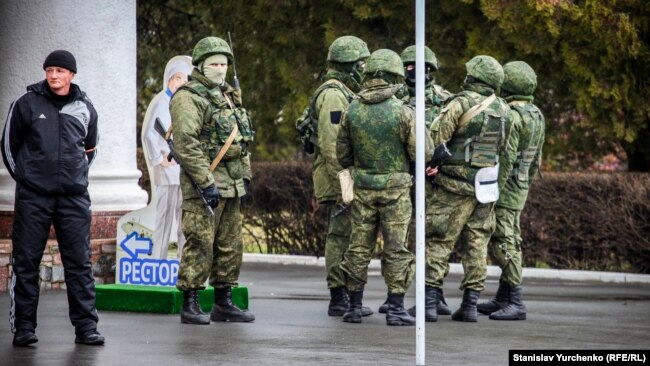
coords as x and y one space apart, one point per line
475 110
224 148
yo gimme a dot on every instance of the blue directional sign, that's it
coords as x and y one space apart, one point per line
145 271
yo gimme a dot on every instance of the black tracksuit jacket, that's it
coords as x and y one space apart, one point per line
47 146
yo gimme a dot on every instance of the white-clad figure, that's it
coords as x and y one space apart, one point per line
164 174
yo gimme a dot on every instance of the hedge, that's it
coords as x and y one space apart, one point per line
592 221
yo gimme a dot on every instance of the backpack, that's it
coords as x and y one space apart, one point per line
307 123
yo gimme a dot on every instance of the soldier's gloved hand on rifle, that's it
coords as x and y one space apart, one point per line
248 198
211 195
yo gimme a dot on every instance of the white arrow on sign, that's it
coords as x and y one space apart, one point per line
133 245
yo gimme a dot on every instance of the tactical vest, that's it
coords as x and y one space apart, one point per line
529 138
307 123
478 143
381 159
220 121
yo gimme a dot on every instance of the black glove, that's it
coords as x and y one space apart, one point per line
248 198
211 195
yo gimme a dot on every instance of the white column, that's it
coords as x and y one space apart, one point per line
102 37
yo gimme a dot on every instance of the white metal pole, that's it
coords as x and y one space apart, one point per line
419 183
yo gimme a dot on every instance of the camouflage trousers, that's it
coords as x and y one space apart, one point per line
458 219
336 243
390 210
213 247
505 245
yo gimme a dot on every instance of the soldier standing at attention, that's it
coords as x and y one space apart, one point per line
377 138
475 125
505 245
345 60
207 120
435 98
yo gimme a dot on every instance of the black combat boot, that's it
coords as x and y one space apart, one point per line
431 303
467 310
340 302
383 307
192 313
354 315
515 310
443 309
499 302
224 310
396 314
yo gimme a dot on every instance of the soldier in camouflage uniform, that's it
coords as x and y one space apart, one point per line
435 98
528 137
475 126
205 112
346 59
377 138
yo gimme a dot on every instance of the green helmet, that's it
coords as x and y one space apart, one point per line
408 56
486 69
209 46
347 49
520 78
386 61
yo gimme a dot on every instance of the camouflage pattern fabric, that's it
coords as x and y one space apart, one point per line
209 46
203 114
458 176
505 245
435 97
458 219
377 138
389 209
528 137
347 49
329 107
213 248
199 124
336 243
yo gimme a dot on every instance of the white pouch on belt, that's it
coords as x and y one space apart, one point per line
347 191
486 184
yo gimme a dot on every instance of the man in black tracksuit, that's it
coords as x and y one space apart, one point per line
48 144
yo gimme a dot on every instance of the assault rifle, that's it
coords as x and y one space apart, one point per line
235 81
166 135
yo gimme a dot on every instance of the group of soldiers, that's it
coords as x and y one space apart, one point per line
490 137
361 128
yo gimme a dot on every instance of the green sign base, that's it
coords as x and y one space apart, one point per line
157 299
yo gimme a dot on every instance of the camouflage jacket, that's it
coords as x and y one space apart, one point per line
329 107
200 126
377 137
435 97
457 175
528 136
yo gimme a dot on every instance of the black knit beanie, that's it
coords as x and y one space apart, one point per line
61 58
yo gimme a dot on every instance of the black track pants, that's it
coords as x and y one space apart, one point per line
33 215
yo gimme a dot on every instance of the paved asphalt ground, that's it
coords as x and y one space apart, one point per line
292 327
